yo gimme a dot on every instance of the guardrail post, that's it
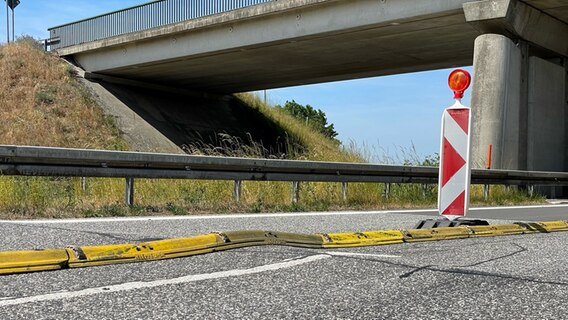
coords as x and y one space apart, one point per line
237 191
486 187
424 190
84 183
344 186
530 189
386 193
295 192
129 192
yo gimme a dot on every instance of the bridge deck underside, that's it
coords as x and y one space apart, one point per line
555 8
423 45
285 43
334 40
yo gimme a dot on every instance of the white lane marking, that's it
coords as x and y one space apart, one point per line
264 215
214 217
354 254
541 206
158 283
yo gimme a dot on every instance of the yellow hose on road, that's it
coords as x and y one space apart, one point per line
76 257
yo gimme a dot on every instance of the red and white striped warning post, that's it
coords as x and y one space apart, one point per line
455 170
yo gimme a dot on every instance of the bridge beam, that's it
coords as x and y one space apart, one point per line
518 20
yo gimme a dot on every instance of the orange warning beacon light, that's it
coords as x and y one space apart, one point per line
459 81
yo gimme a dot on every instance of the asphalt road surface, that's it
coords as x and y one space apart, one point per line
512 277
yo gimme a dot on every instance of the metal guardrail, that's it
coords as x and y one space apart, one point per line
44 161
142 17
49 43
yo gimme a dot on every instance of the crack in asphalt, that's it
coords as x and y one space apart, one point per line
458 270
521 249
418 269
496 275
102 234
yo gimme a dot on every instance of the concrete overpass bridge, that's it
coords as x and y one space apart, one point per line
519 50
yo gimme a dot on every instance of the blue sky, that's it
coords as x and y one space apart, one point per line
383 114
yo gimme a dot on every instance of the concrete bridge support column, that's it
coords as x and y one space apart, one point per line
499 102
519 98
519 106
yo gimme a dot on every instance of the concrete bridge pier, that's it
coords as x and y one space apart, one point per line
498 103
520 88
520 108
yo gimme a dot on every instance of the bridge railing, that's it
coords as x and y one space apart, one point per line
142 17
42 161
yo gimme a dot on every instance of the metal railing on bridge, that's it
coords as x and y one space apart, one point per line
142 17
42 161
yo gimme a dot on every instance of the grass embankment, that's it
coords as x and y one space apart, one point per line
41 103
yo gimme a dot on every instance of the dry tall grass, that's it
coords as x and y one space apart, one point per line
41 104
